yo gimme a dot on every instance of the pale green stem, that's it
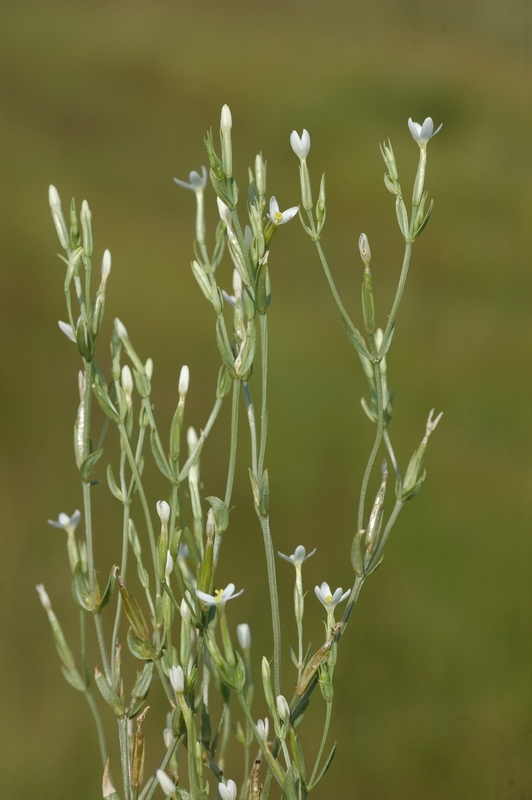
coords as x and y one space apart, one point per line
274 602
124 757
264 374
393 516
388 443
99 726
192 459
252 427
322 745
397 300
234 441
376 445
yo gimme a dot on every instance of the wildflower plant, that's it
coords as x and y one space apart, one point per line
163 596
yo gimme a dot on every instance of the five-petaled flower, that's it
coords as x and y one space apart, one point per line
422 133
220 596
300 144
280 217
329 599
65 522
197 182
298 556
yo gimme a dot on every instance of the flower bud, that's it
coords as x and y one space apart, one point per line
184 377
106 265
177 679
244 636
365 252
166 783
226 123
283 709
163 510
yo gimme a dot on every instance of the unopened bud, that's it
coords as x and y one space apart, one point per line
148 368
184 377
283 709
260 174
244 636
163 510
226 123
365 252
192 440
177 679
127 381
106 265
120 328
166 783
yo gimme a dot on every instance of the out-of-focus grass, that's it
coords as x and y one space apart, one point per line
109 101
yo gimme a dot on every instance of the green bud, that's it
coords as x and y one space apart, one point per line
413 476
86 227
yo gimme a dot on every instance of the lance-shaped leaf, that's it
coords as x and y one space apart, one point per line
109 694
109 590
356 339
86 468
82 593
133 613
221 513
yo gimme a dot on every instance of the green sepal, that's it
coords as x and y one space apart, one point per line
86 468
140 689
375 566
80 590
141 650
402 217
410 493
263 292
74 679
104 401
113 487
72 266
254 488
110 695
325 766
74 225
133 613
206 728
297 753
158 455
368 304
84 341
108 591
356 339
221 513
224 346
425 222
224 384
248 352
182 794
264 505
357 558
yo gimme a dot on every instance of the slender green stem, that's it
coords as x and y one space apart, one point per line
274 602
124 757
252 427
388 443
391 522
374 449
123 572
397 300
101 643
192 459
264 375
299 648
272 762
322 745
234 442
99 726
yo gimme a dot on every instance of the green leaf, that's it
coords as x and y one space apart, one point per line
109 589
221 513
113 487
224 346
248 353
402 216
356 339
74 679
88 465
326 766
109 694
82 593
158 455
140 649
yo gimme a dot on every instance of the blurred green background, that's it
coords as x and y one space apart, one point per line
110 101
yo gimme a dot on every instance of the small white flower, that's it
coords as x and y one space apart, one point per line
167 737
283 709
163 510
263 727
226 119
148 367
67 330
192 439
225 213
244 636
228 790
220 596
422 133
184 610
298 557
177 679
127 381
54 199
300 144
280 217
120 328
329 599
106 265
197 182
166 783
184 379
65 522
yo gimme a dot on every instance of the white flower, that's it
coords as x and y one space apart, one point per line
225 213
120 328
220 596
263 726
65 522
422 133
67 330
54 199
163 510
106 265
298 557
127 381
244 636
197 182
192 439
280 217
329 599
166 783
226 119
177 679
283 709
228 790
184 379
300 144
